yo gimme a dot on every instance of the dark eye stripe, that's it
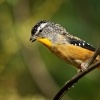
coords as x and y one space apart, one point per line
34 29
82 44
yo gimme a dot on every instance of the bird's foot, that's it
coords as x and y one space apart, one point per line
83 67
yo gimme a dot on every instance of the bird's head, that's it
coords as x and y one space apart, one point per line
48 33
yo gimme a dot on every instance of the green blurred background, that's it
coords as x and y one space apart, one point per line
28 71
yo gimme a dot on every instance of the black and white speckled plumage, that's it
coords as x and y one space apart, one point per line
81 43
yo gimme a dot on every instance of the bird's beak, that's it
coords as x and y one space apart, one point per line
44 41
32 38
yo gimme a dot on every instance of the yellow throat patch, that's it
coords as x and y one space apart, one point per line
45 41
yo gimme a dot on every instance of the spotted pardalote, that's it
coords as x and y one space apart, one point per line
69 48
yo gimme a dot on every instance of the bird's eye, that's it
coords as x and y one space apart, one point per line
40 30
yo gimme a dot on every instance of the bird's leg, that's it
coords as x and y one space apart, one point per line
83 66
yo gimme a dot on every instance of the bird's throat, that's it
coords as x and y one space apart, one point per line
45 42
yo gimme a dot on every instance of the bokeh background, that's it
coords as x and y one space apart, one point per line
28 71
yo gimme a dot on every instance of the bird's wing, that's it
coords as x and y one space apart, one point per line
78 42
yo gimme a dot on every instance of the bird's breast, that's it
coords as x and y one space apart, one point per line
74 55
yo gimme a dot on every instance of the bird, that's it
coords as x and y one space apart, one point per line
61 43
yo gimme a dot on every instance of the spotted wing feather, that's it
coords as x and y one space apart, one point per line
81 43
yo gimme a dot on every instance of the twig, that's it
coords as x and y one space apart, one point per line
78 76
91 60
